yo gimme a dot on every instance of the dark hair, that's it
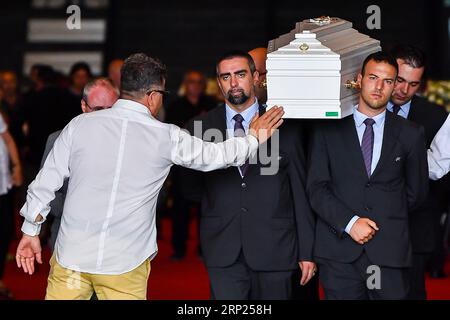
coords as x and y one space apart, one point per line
80 66
37 66
412 56
380 56
237 54
139 73
45 73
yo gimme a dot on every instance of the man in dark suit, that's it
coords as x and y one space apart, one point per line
366 172
426 232
256 226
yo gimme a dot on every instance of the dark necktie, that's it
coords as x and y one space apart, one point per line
367 144
240 132
395 108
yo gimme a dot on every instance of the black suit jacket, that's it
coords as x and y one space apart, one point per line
339 188
267 216
424 219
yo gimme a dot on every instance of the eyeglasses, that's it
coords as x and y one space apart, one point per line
163 92
97 108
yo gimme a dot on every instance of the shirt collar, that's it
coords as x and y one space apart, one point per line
403 107
360 117
131 105
247 114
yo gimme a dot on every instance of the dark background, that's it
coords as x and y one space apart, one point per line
192 34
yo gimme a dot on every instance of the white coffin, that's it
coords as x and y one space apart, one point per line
308 68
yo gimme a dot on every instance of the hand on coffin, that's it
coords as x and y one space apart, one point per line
262 127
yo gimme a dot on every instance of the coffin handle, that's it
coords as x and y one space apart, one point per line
304 47
352 84
263 84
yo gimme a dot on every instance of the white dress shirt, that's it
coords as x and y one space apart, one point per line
117 160
439 152
247 114
403 111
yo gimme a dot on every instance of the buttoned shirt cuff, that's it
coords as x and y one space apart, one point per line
31 229
436 167
350 224
32 208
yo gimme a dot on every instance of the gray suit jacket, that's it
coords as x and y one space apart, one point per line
57 204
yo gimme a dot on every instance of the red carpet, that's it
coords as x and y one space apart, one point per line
185 280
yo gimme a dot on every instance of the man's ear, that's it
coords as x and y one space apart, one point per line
84 107
256 77
154 109
359 79
219 84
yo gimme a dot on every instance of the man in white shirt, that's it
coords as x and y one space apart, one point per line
98 94
117 160
439 152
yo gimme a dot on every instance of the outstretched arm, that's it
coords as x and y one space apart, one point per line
194 153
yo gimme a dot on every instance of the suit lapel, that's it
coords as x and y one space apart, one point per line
413 114
390 134
353 145
219 121
254 168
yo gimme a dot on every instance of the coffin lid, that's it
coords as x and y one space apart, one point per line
312 70
320 37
